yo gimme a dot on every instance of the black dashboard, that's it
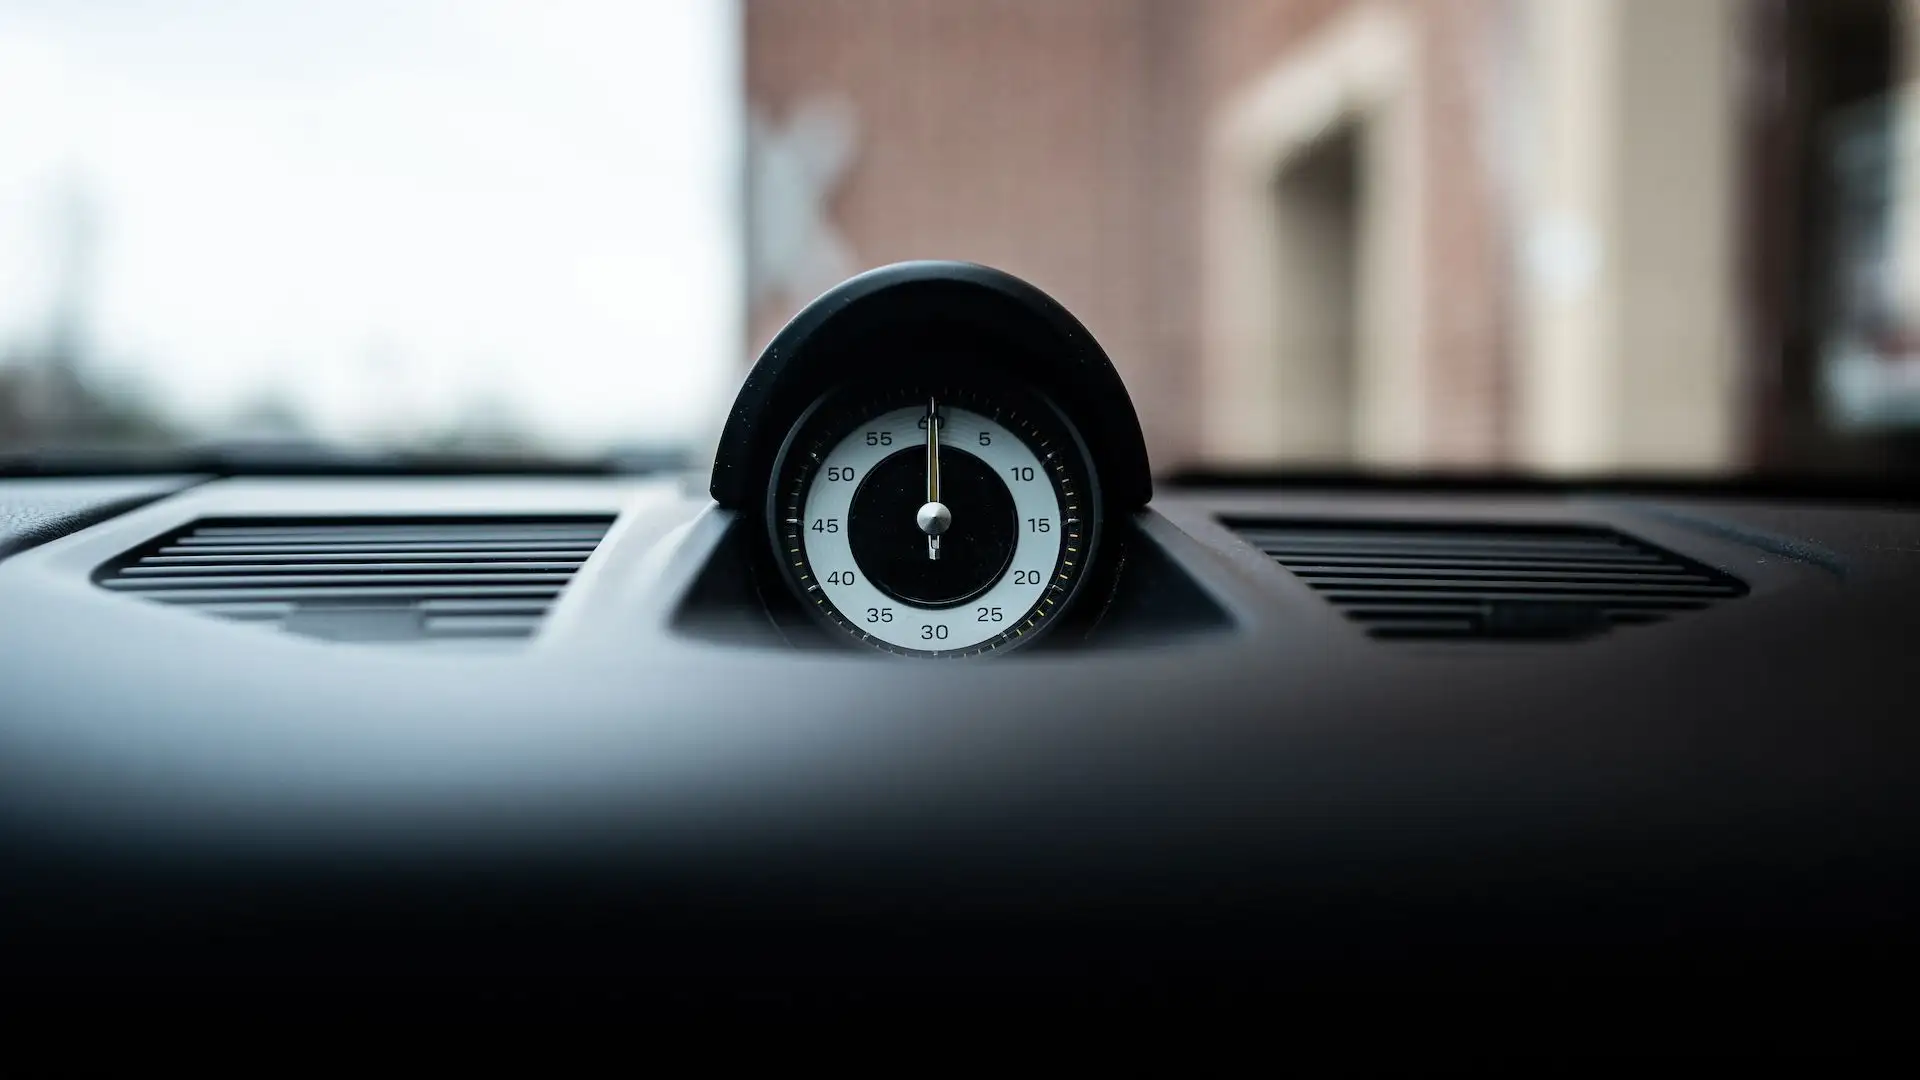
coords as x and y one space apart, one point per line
1277 736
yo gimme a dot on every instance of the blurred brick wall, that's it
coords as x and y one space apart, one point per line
1468 318
1064 141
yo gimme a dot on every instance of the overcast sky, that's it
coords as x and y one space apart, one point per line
387 212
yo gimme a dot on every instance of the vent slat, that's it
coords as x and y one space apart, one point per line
362 547
398 532
355 558
1509 588
248 580
1415 608
418 580
1463 555
404 595
1471 580
389 570
1335 575
1356 603
1424 628
1636 565
464 537
1444 551
1466 538
1483 600
1440 632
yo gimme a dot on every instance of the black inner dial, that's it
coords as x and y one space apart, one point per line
892 551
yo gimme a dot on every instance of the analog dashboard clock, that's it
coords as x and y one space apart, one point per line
935 519
934 451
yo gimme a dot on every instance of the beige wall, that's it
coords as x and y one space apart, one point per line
1313 324
1626 319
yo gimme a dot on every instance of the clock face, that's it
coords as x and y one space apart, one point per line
935 521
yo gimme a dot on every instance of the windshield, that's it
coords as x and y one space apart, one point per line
1526 236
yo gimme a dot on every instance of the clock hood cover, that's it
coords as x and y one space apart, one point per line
876 325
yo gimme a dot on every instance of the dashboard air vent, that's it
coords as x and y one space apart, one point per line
366 579
1472 580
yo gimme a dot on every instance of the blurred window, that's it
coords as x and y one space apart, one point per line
464 225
